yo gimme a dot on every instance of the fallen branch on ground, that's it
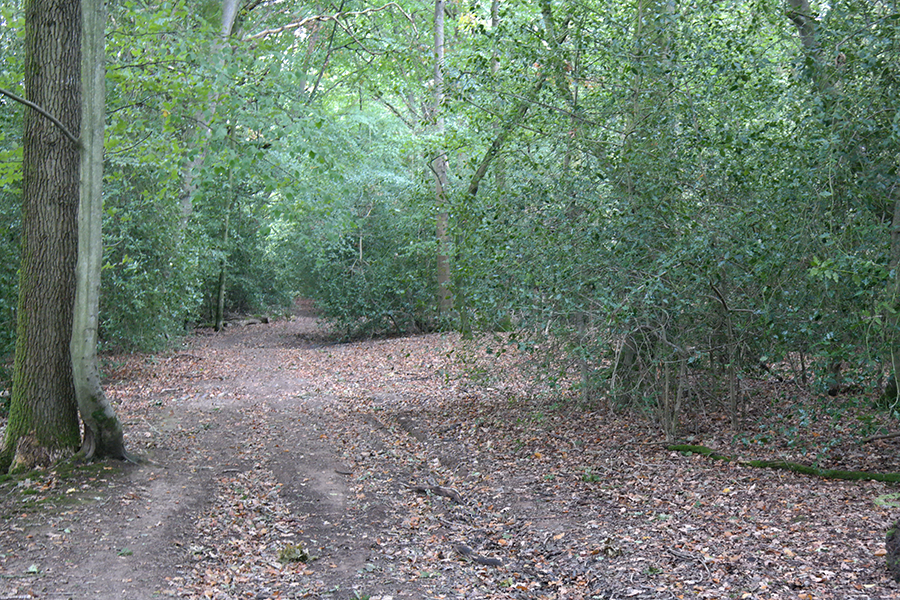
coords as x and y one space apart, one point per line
437 491
789 466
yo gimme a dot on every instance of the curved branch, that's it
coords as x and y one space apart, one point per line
43 112
515 119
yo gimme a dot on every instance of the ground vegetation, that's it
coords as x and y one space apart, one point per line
682 216
282 463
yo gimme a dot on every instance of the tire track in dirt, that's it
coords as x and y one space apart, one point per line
130 531
114 532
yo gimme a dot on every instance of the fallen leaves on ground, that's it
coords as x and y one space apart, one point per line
561 500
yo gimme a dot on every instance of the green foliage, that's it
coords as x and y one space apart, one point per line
11 43
711 196
667 188
293 553
10 225
146 292
254 283
374 272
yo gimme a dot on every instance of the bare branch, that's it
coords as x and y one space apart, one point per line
396 112
43 112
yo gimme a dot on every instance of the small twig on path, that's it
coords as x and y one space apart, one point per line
470 554
449 524
449 428
688 556
437 491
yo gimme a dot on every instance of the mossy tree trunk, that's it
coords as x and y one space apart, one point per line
103 436
43 421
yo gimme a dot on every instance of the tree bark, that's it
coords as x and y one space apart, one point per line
43 421
650 88
103 436
439 166
800 14
515 119
221 284
205 118
892 317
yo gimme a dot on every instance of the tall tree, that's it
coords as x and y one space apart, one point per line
43 421
103 436
207 113
229 10
439 165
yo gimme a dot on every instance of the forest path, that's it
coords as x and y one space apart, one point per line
267 444
240 468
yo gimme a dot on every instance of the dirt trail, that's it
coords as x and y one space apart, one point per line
268 444
246 412
129 531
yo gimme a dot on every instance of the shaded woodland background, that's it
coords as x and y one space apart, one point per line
664 199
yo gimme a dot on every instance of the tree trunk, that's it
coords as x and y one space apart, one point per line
799 12
516 118
205 117
43 420
221 284
103 436
892 390
439 165
652 49
223 270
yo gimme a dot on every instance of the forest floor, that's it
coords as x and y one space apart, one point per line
280 464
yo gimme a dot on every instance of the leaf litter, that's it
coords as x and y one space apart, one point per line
305 468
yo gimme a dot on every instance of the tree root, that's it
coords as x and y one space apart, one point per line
789 466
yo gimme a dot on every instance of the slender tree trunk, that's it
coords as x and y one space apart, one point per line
205 117
439 165
495 22
799 12
515 119
43 420
103 436
652 49
221 285
892 392
223 275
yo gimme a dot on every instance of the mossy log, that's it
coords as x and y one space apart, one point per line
789 466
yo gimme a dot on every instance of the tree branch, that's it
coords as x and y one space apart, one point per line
799 13
395 112
40 110
334 17
514 120
874 438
